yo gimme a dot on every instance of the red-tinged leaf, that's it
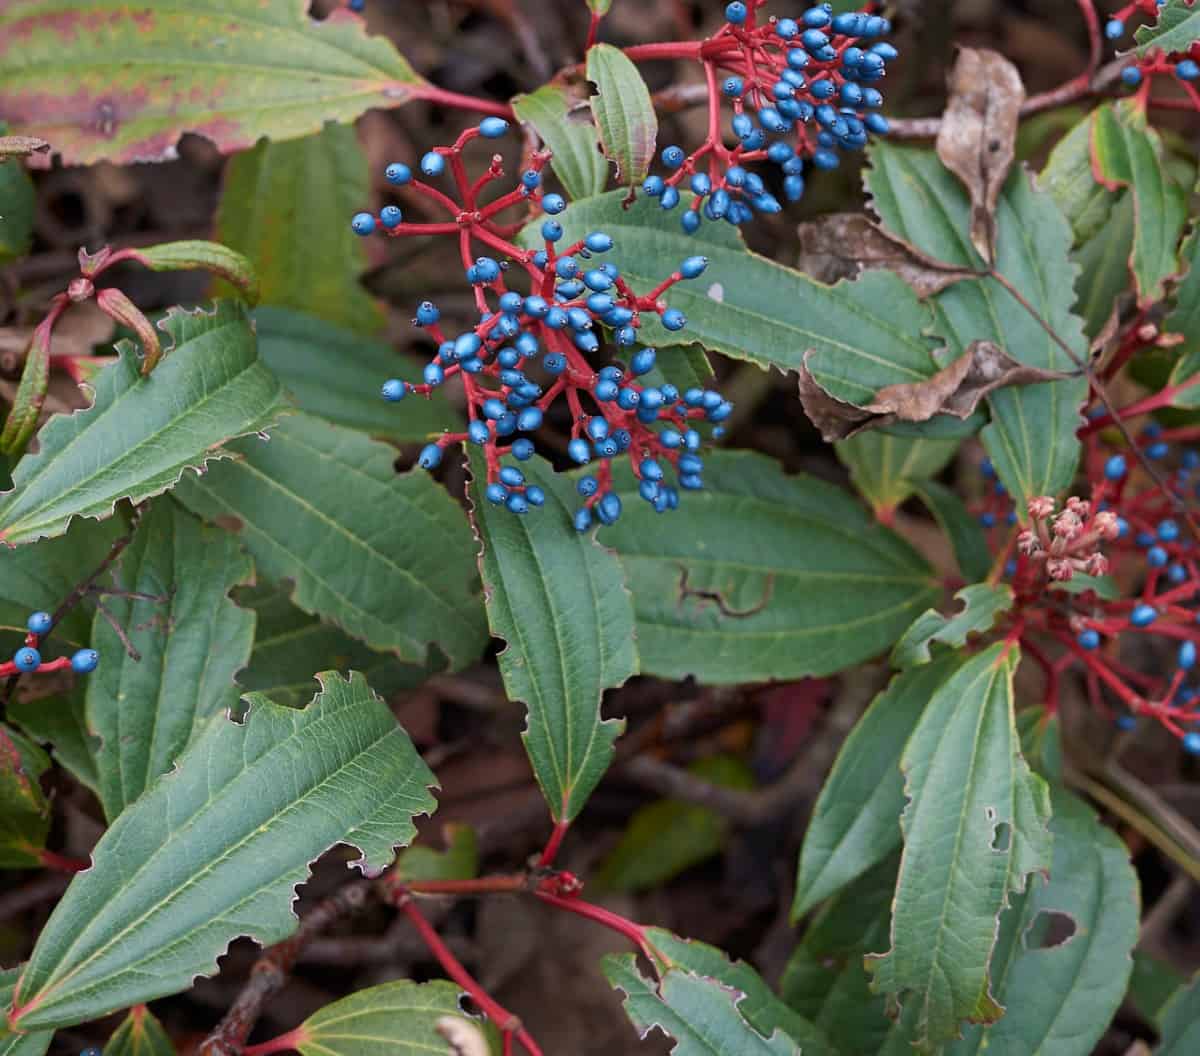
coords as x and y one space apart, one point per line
24 812
121 81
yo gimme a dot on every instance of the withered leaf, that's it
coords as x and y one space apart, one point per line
21 146
955 390
978 134
843 245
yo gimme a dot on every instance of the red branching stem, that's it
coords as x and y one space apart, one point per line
456 100
593 29
635 933
550 851
1095 43
508 1023
682 49
482 885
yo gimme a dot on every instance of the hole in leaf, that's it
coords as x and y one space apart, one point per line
1049 929
1002 837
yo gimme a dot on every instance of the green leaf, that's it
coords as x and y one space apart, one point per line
39 579
1062 992
864 334
395 1019
106 80
24 812
825 979
61 722
214 850
1185 321
336 374
974 828
623 111
1178 26
700 1014
1180 1021
1126 152
758 1006
762 575
684 366
886 469
982 605
599 7
191 254
285 206
559 600
1068 178
1041 741
668 837
17 202
1103 263
1031 438
1152 984
459 861
140 1034
578 163
1105 587
964 531
191 639
392 568
856 821
34 1043
289 643
142 433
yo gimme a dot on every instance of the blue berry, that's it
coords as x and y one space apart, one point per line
1143 615
535 496
579 451
27 659
1115 468
430 457
1132 76
583 519
496 494
398 174
608 509
1187 70
554 204
643 361
732 86
433 164
391 216
478 432
85 661
40 622
529 419
673 318
598 242
517 502
1187 656
1089 639
1168 531
1114 28
1126 722
363 224
394 390
735 12
673 157
428 313
693 267
1156 557
1191 743
493 127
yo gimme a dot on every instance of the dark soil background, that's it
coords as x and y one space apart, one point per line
542 964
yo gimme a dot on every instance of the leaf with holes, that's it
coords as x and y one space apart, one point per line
142 433
214 850
559 601
623 111
887 469
191 640
856 821
758 1006
1062 957
288 643
336 374
863 335
36 1042
283 200
1127 152
722 591
400 1018
964 531
554 112
1177 28
108 80
24 812
974 829
1031 438
392 569
700 1014
140 1034
982 605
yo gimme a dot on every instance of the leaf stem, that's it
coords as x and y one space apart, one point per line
440 96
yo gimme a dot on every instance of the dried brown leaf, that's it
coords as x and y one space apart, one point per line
955 389
21 146
978 134
843 245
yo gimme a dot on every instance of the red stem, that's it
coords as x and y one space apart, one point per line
457 100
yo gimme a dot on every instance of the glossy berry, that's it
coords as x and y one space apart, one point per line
363 224
735 12
1191 743
1186 659
430 457
85 661
1132 76
1143 615
1187 70
27 659
493 127
398 173
394 390
1089 638
391 216
433 164
39 622
1115 468
554 204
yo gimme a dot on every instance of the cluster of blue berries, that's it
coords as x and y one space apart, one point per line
529 349
28 658
803 89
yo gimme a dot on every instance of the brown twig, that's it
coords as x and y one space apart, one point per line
271 971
